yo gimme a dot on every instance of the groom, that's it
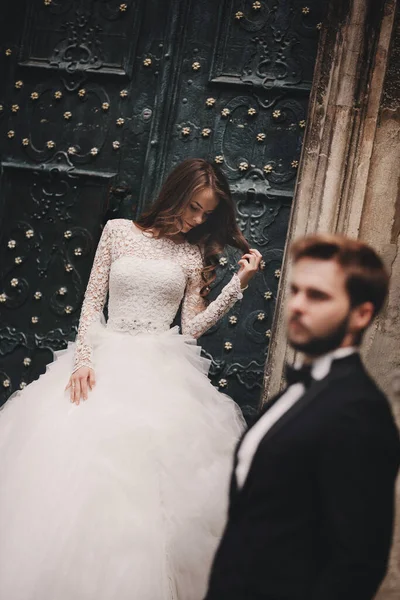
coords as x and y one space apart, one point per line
312 491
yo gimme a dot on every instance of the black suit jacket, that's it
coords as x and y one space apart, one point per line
314 518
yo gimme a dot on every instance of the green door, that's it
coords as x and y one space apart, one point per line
99 99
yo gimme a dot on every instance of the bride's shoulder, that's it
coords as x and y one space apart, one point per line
194 255
118 225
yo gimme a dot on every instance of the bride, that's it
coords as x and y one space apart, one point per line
120 493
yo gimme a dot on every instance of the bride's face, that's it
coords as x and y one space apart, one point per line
200 207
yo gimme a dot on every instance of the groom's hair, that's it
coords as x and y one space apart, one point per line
366 275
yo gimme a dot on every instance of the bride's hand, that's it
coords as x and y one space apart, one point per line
80 382
249 265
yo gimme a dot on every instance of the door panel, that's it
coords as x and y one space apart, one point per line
243 84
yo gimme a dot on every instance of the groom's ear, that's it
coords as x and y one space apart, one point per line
361 317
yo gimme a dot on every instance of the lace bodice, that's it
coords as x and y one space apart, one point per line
146 279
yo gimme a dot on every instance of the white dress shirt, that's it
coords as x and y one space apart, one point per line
249 445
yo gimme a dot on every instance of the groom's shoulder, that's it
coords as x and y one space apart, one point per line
357 380
357 394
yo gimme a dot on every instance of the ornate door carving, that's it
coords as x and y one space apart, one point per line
99 100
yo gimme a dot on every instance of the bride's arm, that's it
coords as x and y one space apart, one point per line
196 316
95 297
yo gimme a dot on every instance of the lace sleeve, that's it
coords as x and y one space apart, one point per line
196 317
95 297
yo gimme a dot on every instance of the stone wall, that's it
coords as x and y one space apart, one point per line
380 226
349 179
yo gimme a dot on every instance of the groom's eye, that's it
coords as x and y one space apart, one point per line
317 295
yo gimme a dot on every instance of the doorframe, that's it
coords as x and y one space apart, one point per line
343 117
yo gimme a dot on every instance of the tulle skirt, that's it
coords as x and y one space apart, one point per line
124 496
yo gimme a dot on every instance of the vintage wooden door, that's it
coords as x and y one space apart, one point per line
99 100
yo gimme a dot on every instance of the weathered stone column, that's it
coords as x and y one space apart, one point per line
349 177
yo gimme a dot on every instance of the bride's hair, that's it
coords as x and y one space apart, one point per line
219 230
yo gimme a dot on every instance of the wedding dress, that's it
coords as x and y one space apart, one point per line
124 496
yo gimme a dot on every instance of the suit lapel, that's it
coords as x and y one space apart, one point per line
267 406
265 409
340 368
307 398
233 485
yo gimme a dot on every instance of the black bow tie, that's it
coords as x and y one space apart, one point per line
302 375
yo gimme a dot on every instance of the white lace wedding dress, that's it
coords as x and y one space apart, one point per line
124 496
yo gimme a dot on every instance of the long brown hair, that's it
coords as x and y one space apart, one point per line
219 230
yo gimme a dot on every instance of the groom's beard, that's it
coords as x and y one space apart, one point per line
317 346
